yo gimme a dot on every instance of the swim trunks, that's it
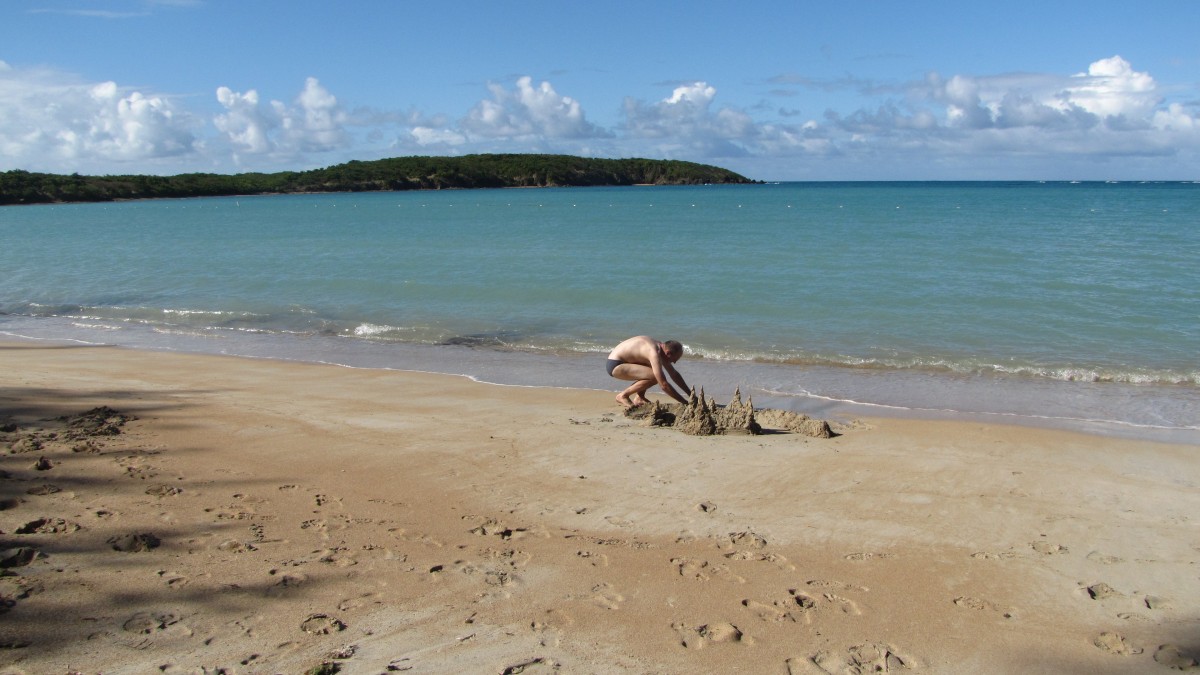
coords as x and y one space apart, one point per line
612 364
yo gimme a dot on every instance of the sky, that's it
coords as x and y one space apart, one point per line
787 90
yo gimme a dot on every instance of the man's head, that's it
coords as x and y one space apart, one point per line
673 350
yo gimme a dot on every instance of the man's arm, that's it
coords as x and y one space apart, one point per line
657 365
676 376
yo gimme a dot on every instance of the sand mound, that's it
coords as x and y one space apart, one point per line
703 417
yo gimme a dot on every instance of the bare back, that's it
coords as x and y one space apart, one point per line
642 350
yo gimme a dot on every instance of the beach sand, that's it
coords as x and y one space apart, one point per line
230 515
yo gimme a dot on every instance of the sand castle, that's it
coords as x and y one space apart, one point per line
702 416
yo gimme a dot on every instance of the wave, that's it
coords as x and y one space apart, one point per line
304 321
980 413
938 364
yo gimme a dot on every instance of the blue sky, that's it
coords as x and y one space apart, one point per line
776 91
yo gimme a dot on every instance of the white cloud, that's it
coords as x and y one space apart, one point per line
430 136
244 124
528 111
1030 120
49 120
963 123
315 122
1111 88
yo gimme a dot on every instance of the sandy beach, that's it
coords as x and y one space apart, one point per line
175 513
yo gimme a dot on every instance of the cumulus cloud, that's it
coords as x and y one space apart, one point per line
56 122
1109 111
528 111
49 119
244 124
1111 88
688 124
314 122
1111 94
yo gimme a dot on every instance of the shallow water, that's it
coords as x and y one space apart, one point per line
1060 304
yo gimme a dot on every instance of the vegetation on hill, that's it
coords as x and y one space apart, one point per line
399 173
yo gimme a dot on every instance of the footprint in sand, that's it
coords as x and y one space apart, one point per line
235 546
744 540
697 637
692 569
351 604
1115 643
596 559
500 578
136 542
872 657
173 580
14 587
136 467
508 556
18 557
703 570
1046 548
1158 602
774 558
317 525
423 539
286 584
1102 590
146 623
765 612
1100 558
1003 555
861 557
322 624
338 557
1175 657
846 605
834 585
551 627
794 610
47 526
163 491
803 603
606 596
492 527
981 605
43 489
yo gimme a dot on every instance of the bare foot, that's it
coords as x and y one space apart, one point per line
630 402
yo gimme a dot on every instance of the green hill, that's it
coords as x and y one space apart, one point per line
399 173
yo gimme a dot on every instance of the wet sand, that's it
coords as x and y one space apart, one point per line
181 513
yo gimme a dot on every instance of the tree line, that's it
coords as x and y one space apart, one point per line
398 173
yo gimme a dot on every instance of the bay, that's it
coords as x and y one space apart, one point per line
1044 303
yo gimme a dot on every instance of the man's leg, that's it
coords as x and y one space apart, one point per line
642 378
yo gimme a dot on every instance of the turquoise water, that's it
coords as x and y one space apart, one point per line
1076 302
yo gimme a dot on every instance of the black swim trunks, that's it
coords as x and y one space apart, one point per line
612 364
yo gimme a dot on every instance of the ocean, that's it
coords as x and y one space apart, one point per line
1072 305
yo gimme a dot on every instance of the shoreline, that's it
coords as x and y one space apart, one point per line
387 520
837 392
